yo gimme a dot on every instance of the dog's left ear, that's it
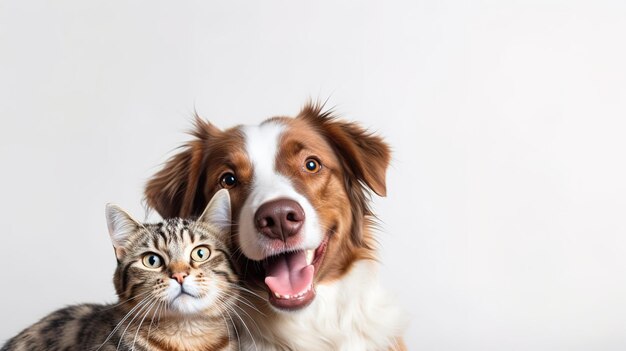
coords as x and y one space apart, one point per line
366 155
176 190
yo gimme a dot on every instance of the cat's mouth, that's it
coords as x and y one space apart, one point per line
185 303
184 293
289 277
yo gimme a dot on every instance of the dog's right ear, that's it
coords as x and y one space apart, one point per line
176 190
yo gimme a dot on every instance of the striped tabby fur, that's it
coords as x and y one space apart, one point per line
176 287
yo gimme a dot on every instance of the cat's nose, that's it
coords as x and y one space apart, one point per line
179 276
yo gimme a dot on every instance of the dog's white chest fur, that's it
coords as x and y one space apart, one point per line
353 313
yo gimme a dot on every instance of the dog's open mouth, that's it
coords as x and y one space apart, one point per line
289 277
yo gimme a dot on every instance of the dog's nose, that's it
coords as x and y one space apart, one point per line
279 219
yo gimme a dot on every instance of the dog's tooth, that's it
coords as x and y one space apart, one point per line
310 254
277 295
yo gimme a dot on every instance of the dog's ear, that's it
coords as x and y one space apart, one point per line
177 189
364 154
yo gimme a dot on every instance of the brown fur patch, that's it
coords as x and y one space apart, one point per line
350 158
178 267
207 342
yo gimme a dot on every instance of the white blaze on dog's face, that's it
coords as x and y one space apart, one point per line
262 147
277 223
298 192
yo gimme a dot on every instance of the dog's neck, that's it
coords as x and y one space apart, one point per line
352 313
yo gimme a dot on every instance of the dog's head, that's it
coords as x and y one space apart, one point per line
299 191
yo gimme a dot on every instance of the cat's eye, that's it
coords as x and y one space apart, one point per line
200 254
152 260
312 165
228 180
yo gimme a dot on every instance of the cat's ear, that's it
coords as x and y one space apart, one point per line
218 212
121 226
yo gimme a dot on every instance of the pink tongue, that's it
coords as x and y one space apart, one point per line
289 274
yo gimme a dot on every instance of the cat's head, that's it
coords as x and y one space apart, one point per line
178 265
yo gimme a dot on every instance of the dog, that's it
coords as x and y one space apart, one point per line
302 226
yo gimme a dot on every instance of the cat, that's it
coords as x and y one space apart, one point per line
176 287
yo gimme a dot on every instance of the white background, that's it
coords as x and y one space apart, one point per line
504 226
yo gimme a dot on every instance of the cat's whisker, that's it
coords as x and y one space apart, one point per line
245 326
119 324
126 301
235 286
229 308
247 303
163 307
152 318
242 298
141 322
250 318
131 322
227 326
222 305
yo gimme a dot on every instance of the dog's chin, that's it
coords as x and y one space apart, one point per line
289 278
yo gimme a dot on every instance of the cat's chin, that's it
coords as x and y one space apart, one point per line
187 305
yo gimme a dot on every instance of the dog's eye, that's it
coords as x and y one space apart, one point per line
228 180
312 165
